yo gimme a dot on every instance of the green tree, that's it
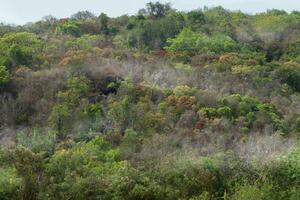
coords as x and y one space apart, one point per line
29 167
189 43
196 19
63 114
153 34
83 15
289 74
103 20
20 49
87 170
69 27
156 9
129 144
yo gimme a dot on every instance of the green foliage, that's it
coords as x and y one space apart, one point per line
225 112
184 90
186 42
119 112
164 104
83 15
103 19
69 27
75 172
292 52
36 140
257 114
85 42
289 74
62 113
119 41
252 192
189 43
4 75
153 34
209 112
92 111
297 124
129 144
287 166
60 118
196 19
10 184
156 9
19 48
29 167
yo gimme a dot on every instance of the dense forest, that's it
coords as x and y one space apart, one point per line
164 104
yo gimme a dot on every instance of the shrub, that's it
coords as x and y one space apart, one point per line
20 48
129 144
184 90
69 27
255 192
289 74
37 140
4 76
192 43
10 184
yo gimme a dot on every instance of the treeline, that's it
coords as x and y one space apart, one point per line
163 104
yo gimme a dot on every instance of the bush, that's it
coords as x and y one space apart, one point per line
129 144
184 90
4 76
85 170
37 140
255 192
20 49
69 27
10 184
289 74
192 43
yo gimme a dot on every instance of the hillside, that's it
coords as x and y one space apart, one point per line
164 104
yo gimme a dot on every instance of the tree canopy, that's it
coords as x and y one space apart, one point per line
163 104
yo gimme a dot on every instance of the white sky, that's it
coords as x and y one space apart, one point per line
23 11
